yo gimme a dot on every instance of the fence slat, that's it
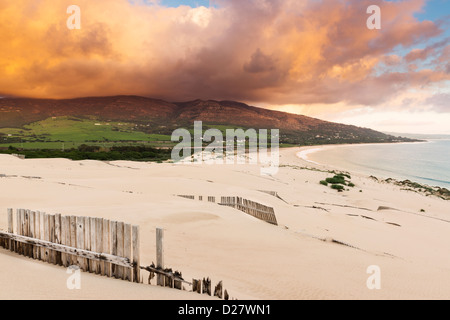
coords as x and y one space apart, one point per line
25 230
160 255
127 244
46 236
120 253
42 234
28 252
87 241
93 221
22 217
37 230
107 244
114 268
99 244
64 230
73 238
136 255
16 228
10 228
67 239
80 241
52 237
32 234
58 255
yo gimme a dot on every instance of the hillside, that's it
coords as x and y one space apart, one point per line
153 116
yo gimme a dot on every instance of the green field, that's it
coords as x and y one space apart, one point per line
65 133
69 145
70 132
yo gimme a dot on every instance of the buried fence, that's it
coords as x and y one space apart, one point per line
173 279
95 245
252 208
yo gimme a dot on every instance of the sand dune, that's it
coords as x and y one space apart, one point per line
255 260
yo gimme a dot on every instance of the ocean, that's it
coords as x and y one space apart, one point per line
427 163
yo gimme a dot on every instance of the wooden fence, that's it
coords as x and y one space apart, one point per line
204 287
188 197
96 245
252 208
200 198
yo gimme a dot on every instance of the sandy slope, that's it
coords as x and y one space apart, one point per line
254 259
24 278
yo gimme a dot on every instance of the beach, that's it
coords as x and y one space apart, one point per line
424 162
322 248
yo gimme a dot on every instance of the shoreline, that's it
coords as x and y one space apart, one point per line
304 153
318 148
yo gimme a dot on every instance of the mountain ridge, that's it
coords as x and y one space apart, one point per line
163 117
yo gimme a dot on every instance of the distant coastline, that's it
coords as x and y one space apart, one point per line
307 150
327 155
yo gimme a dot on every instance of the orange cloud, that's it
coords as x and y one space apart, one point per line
273 52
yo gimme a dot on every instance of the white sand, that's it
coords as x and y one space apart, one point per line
254 259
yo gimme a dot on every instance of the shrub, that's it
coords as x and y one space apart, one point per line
336 180
422 210
337 187
324 183
351 184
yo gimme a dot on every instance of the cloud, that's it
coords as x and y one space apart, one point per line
259 62
440 102
423 54
260 51
418 54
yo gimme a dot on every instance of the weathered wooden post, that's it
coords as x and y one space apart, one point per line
58 238
67 240
136 255
160 255
197 286
120 253
114 268
178 284
63 239
99 245
42 234
52 238
46 236
218 292
26 231
168 280
80 241
10 228
18 223
87 241
32 217
37 229
107 244
128 272
73 238
207 286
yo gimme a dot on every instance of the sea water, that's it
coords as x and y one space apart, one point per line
427 163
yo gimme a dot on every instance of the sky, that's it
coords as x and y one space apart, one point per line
312 57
